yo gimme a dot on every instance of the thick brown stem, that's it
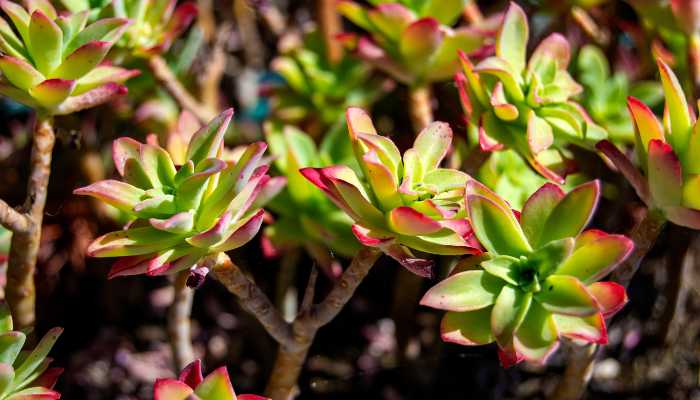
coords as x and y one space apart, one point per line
573 384
20 291
167 78
251 297
679 263
290 359
330 24
179 327
13 219
644 236
578 372
420 107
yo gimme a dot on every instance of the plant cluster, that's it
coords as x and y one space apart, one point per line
497 205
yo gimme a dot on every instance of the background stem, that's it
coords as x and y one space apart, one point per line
24 248
179 326
420 107
167 78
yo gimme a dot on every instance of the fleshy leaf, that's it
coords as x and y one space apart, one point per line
536 338
470 328
611 297
216 385
19 72
420 39
432 144
677 106
207 142
566 295
537 210
599 254
52 92
464 291
511 42
171 389
665 175
46 42
572 213
590 329
115 193
508 313
82 60
497 229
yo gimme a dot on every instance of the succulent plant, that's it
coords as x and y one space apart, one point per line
401 203
668 154
25 375
304 215
155 23
53 65
507 174
192 385
605 95
317 89
412 41
539 280
527 107
180 215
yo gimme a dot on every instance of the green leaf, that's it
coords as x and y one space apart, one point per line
537 210
207 142
432 144
215 386
20 73
11 344
677 106
548 257
445 11
566 295
596 255
82 60
470 328
502 267
536 338
420 40
115 193
572 213
5 317
45 42
508 313
590 329
134 241
464 291
37 356
497 229
52 92
511 41
103 30
664 174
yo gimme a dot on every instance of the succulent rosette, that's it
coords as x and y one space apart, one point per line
539 280
668 154
605 94
192 385
526 105
26 374
181 214
301 206
53 62
315 88
155 23
413 41
401 203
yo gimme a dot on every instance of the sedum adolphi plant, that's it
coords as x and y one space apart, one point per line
301 206
413 41
538 281
52 63
24 374
605 94
668 154
155 24
180 215
192 385
401 203
316 88
526 105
